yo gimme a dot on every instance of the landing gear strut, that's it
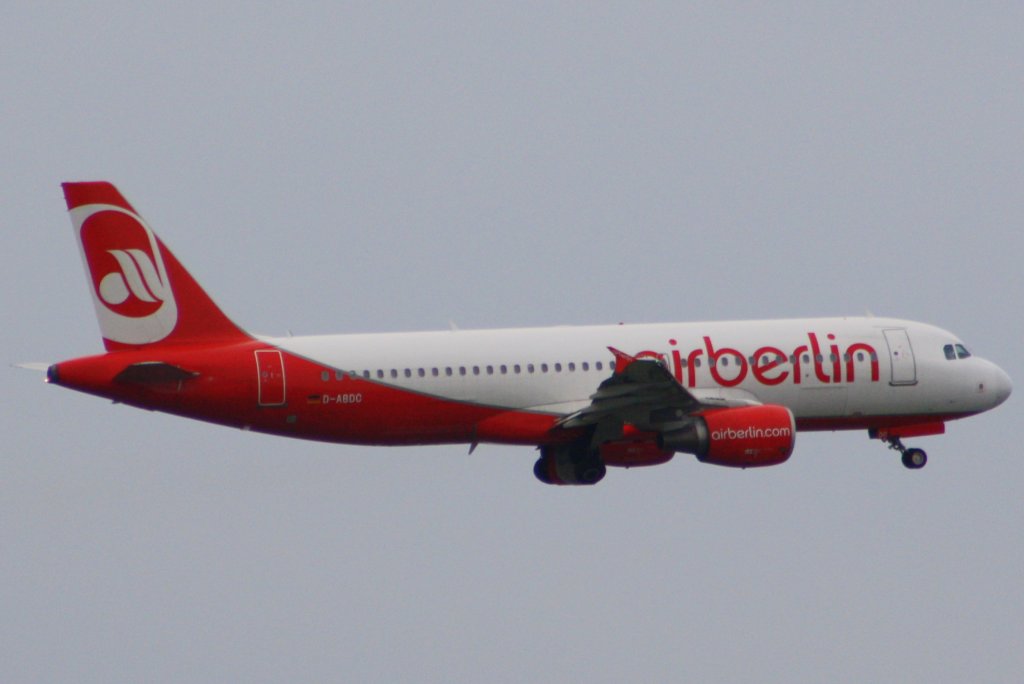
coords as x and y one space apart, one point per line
915 459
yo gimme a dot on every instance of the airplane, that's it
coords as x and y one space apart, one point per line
588 398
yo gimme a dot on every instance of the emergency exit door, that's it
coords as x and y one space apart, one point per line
270 377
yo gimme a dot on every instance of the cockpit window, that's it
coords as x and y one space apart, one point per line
956 351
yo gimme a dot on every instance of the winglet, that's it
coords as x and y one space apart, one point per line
622 359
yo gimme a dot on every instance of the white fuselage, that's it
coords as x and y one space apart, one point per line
818 368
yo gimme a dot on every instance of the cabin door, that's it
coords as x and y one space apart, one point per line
901 357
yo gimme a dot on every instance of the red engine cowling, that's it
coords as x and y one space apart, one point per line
745 437
634 453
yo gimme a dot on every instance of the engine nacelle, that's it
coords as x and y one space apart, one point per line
744 437
568 464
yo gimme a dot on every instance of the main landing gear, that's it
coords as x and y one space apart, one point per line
915 459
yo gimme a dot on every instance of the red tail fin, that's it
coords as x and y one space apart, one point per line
143 295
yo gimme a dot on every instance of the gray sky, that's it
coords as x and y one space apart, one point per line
373 168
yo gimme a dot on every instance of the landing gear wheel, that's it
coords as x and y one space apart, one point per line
915 459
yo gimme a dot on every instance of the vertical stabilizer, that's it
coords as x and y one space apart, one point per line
142 294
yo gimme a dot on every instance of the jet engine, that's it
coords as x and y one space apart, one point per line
744 437
568 464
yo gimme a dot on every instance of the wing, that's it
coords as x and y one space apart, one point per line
641 392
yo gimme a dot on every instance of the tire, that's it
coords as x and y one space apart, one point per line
915 459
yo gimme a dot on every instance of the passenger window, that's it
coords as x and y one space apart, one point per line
408 373
366 374
462 370
948 351
422 373
543 368
599 366
516 368
490 370
558 368
476 370
339 375
380 373
325 376
435 372
586 366
394 373
961 352
448 371
504 369
572 366
529 368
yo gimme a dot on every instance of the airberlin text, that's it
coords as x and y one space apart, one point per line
769 365
750 432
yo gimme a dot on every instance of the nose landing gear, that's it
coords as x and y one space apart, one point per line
912 458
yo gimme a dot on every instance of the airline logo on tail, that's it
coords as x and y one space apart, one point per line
131 291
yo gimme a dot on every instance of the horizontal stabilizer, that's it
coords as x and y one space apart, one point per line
40 366
153 373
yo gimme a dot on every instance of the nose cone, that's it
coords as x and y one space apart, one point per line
1001 385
